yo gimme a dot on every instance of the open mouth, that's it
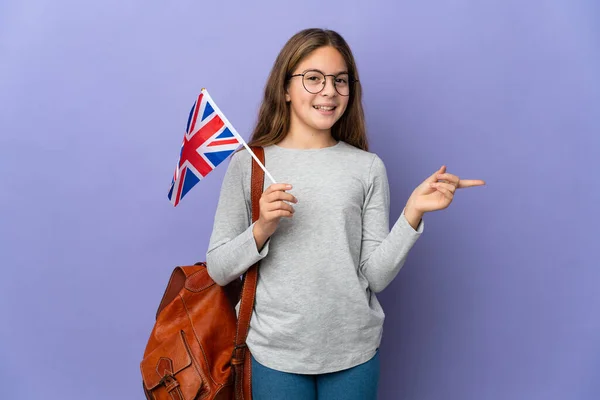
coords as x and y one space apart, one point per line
325 108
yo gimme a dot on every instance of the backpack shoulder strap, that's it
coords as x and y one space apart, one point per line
251 276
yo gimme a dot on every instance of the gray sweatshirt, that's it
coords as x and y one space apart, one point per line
316 310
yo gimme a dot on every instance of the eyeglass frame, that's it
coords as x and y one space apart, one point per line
351 80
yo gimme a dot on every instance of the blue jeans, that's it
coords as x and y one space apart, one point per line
358 383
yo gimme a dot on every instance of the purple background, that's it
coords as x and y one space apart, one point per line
499 298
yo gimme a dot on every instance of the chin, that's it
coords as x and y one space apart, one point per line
323 127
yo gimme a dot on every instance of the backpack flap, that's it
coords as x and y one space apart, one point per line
169 367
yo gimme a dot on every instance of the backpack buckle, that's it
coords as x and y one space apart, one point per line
170 382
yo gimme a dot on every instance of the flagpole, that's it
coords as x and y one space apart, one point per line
238 136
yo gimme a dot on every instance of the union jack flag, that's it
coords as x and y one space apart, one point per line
209 139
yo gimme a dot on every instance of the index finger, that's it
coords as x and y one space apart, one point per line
278 187
465 183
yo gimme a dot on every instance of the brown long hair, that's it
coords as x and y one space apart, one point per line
274 116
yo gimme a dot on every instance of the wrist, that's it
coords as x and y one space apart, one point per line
413 216
260 236
258 230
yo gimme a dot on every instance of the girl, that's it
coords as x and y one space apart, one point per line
323 236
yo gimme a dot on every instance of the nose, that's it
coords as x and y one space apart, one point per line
329 89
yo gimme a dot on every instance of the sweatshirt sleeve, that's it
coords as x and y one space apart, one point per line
383 252
232 248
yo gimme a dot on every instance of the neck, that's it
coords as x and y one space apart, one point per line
297 139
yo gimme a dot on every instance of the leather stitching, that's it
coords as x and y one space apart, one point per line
198 339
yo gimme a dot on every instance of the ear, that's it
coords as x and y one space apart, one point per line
287 97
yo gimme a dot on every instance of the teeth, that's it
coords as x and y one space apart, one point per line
324 108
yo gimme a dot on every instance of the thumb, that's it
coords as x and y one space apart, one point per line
433 178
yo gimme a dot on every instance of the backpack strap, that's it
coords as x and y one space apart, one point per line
250 280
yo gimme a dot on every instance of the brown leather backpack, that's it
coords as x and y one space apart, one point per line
197 348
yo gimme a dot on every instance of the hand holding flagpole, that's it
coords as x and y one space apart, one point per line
274 202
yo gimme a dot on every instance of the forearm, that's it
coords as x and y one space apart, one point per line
387 259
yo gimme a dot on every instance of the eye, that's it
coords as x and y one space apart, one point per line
342 80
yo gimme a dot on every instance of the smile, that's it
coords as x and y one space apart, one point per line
324 108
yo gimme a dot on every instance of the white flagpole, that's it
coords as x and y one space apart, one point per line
237 135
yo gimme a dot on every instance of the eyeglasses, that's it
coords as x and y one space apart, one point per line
314 82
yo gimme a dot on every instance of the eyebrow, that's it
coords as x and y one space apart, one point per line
315 69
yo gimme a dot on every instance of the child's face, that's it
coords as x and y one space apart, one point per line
320 111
